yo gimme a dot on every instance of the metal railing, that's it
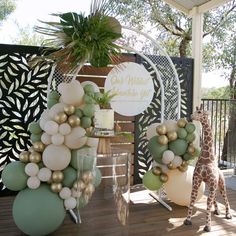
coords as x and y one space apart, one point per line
223 124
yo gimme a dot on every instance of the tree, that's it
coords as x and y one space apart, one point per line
6 8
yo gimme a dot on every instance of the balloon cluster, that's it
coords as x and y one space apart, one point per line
171 148
62 155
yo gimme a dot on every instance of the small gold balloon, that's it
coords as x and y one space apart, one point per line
79 185
161 129
183 168
184 163
39 146
57 176
162 139
56 187
24 156
89 190
69 109
31 149
172 135
164 177
87 177
73 120
156 170
35 157
170 166
191 149
182 122
60 118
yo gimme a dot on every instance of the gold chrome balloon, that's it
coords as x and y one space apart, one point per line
31 149
35 157
164 177
87 177
191 149
183 168
39 146
162 139
161 129
172 135
24 156
73 120
79 185
69 109
170 166
57 176
89 190
182 122
56 187
60 118
156 170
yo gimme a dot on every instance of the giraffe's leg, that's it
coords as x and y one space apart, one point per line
217 211
197 180
222 189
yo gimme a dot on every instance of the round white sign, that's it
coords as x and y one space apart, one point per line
133 87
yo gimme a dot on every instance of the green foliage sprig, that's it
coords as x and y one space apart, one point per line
104 99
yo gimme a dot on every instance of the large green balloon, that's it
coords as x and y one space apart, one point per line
38 211
70 175
151 181
54 95
98 177
86 122
89 89
89 110
81 162
14 177
156 149
182 133
178 147
35 137
190 127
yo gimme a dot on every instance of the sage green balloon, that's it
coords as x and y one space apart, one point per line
151 181
190 137
81 163
70 175
38 211
35 137
182 133
88 99
156 149
97 178
86 122
51 102
190 127
14 176
89 89
34 128
97 95
178 147
54 95
187 157
89 110
78 112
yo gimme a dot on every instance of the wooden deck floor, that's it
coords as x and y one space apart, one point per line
144 220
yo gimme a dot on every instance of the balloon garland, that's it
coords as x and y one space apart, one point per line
172 148
61 163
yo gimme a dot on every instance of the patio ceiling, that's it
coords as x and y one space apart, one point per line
187 6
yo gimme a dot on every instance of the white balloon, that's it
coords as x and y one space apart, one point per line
64 129
56 157
171 125
151 130
167 157
44 118
44 174
55 109
65 193
177 161
51 127
46 138
58 139
31 169
76 139
71 93
181 180
33 182
70 203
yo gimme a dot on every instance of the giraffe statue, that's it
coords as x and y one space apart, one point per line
207 170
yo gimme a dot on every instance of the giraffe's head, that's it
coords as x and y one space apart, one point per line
200 115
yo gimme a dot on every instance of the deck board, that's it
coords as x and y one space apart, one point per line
144 220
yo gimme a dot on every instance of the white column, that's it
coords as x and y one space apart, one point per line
197 31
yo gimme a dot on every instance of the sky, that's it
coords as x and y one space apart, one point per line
28 12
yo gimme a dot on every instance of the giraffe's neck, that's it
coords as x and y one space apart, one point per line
207 155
